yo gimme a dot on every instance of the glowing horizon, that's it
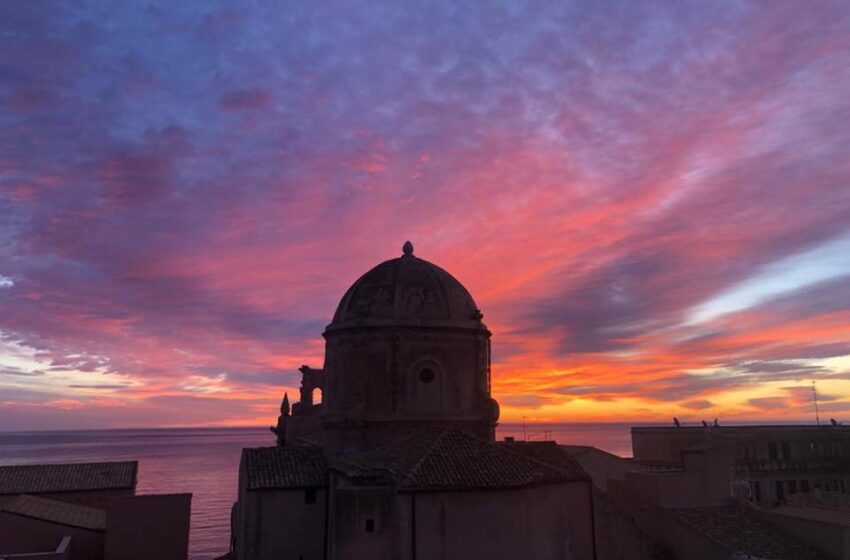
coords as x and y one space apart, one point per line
650 204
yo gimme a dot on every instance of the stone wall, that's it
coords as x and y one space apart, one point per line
545 522
282 524
22 535
148 526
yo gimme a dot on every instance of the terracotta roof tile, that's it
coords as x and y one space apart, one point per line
739 530
449 459
550 453
35 479
829 500
292 466
57 512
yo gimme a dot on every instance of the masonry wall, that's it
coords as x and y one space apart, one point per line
618 537
374 376
20 534
544 523
149 526
364 523
281 525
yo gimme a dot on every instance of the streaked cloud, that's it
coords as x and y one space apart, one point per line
648 202
826 262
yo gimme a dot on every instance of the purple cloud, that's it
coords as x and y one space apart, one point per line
194 207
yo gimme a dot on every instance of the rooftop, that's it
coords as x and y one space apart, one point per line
292 466
548 452
74 477
451 459
760 428
432 459
55 511
829 500
738 530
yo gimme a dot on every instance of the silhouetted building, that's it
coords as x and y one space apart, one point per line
774 461
88 511
398 460
698 493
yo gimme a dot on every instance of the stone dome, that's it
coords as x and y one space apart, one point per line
407 291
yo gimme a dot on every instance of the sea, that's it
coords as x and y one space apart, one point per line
205 461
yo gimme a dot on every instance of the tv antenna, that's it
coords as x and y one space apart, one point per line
815 393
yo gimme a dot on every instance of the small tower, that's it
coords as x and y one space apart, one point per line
280 429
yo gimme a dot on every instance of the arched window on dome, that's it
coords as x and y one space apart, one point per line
424 383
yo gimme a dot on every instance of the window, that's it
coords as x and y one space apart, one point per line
310 496
771 450
779 490
426 375
804 485
786 450
792 486
370 525
757 490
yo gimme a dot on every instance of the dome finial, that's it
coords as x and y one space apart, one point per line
407 248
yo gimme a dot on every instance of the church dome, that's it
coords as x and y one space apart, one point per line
407 291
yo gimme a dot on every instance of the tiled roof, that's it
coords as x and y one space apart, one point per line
57 512
739 530
448 459
550 453
291 466
829 500
34 479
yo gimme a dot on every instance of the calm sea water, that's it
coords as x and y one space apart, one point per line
205 462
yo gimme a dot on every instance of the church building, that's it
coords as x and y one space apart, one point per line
398 459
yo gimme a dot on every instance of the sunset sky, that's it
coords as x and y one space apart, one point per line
649 201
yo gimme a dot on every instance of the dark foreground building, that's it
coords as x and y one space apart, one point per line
774 462
88 511
724 492
398 460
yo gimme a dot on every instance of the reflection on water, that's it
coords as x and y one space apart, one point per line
205 462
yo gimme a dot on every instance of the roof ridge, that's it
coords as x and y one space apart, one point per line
427 453
31 465
533 460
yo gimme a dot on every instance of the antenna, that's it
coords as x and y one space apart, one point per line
815 393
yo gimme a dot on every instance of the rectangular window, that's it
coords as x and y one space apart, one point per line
780 493
310 496
370 525
804 485
792 486
757 490
786 450
771 450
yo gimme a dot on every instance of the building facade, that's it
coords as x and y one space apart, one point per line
775 462
88 511
399 459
